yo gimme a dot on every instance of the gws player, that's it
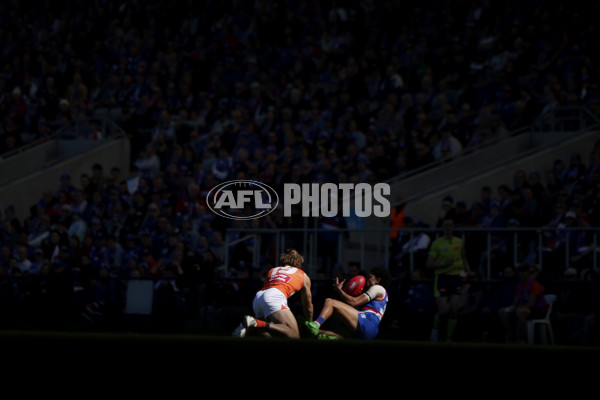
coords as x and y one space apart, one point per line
272 315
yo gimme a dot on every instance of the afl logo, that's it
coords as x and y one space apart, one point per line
242 199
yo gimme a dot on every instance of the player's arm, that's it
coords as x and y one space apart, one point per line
354 301
466 264
306 298
434 264
376 292
431 262
465 260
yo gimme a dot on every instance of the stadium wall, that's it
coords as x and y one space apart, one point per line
427 207
26 176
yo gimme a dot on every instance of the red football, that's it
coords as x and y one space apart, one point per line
354 286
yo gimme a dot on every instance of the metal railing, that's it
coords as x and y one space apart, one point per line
565 119
96 128
93 128
537 245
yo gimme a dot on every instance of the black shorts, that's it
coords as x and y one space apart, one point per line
446 285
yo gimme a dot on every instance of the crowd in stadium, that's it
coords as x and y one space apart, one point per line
279 92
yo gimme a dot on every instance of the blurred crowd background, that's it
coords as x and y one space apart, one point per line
276 91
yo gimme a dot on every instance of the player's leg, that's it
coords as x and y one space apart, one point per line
522 315
507 316
346 314
436 316
280 320
440 318
324 333
283 323
443 288
457 293
272 317
451 319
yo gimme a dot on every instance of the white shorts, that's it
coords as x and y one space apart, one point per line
268 301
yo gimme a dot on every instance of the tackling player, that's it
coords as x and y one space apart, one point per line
359 315
270 305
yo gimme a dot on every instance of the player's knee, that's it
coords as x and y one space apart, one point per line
293 332
329 302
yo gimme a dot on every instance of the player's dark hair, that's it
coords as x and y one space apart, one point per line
383 274
291 257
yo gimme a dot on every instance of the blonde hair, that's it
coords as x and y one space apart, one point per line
291 257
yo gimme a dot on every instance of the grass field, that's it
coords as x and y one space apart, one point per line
148 361
105 345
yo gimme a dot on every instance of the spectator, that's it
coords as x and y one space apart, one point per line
10 217
417 246
66 186
528 303
78 226
450 145
448 211
313 90
24 262
573 311
499 296
418 308
148 163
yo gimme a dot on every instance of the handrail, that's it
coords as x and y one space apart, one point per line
240 240
381 253
567 119
29 145
450 158
106 126
229 244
